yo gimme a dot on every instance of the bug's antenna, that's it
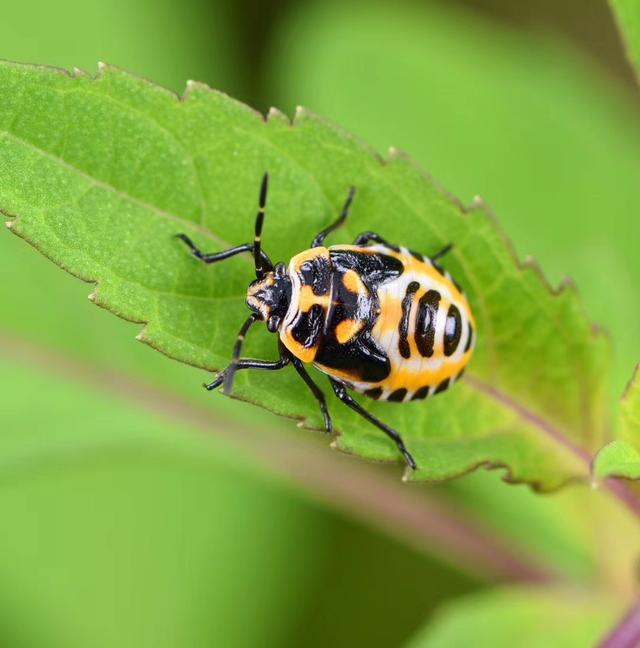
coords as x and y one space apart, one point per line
235 356
257 252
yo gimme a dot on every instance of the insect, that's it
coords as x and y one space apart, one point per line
377 318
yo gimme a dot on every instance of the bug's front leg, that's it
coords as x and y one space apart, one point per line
247 363
214 257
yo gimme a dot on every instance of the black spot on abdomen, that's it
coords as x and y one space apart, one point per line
403 328
421 393
426 322
467 346
452 330
397 396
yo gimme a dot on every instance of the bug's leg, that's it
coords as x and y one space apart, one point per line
320 237
214 257
316 391
372 237
230 371
445 250
341 392
261 260
248 363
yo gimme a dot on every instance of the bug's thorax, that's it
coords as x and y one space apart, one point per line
270 296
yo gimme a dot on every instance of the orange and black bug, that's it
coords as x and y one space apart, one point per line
375 317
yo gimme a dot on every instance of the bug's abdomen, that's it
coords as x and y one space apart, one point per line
426 329
386 322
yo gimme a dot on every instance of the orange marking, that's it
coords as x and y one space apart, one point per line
307 255
353 283
401 377
299 351
348 329
390 315
306 299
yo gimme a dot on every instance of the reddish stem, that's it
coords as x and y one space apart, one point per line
626 633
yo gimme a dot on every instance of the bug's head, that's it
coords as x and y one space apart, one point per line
270 295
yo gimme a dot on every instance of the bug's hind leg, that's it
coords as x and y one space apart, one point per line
320 237
341 392
317 392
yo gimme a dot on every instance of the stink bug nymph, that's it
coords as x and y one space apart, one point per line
377 318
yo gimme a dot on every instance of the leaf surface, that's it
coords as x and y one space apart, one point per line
504 617
621 458
100 174
627 14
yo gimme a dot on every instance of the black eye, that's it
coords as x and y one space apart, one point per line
280 270
273 323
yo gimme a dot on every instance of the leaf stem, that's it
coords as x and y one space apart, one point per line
626 633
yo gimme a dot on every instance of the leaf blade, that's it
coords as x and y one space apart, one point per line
99 165
627 13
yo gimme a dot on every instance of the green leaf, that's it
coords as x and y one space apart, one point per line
630 411
100 174
617 459
544 618
627 14
621 458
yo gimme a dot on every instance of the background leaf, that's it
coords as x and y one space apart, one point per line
621 458
101 173
630 428
544 618
628 15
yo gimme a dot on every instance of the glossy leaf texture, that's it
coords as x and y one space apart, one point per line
100 173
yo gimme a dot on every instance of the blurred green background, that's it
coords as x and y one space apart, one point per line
121 527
